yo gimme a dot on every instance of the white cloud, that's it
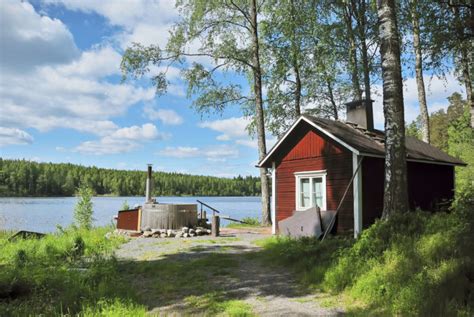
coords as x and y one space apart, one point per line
28 39
53 93
166 116
180 152
235 129
10 136
96 63
122 140
437 91
215 153
231 128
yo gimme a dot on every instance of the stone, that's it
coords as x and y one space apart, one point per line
147 229
185 229
199 232
208 231
191 231
192 234
155 231
163 235
185 235
171 233
179 235
147 234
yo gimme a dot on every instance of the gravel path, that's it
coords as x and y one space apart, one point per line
270 291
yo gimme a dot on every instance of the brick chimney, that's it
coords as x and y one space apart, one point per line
361 113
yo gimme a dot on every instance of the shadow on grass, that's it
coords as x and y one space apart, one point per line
201 277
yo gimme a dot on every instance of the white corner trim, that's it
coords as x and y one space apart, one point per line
330 135
274 197
357 194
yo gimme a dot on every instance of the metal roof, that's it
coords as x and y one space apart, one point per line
367 143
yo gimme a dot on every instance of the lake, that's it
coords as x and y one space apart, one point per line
43 214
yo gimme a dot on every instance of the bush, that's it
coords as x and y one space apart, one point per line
62 273
83 210
413 264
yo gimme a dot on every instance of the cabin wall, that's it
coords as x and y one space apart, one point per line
308 150
128 219
428 184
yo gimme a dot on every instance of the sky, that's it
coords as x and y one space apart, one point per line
62 99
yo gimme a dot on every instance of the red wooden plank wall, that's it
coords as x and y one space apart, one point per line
428 184
128 219
310 151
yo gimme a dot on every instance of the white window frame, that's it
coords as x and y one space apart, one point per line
310 174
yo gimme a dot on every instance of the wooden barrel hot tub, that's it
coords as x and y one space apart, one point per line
168 216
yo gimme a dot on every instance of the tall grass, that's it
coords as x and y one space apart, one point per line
415 264
70 272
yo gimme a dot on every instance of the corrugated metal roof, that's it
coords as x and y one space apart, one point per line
372 142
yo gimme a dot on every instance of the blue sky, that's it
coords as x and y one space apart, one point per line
61 99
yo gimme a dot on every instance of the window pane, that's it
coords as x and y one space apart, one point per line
317 192
305 192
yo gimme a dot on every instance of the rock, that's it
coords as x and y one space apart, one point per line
208 231
179 235
171 233
185 229
185 235
192 234
156 235
147 234
192 231
163 235
199 232
155 231
147 229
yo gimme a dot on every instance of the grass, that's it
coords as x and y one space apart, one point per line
71 272
248 222
216 304
414 264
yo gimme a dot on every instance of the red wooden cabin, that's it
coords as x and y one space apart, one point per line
313 163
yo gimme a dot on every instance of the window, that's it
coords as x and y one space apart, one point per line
310 190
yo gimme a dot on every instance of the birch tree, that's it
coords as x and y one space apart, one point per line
226 35
395 183
420 83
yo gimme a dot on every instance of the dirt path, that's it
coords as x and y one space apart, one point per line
269 291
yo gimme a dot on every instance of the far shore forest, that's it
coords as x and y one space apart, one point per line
21 178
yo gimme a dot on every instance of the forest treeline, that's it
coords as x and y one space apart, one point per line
27 178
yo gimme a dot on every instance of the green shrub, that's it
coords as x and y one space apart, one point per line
83 210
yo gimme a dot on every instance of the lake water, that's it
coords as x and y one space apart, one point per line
43 214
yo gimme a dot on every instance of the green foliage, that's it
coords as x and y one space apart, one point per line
217 304
69 273
125 205
414 264
83 210
247 222
25 178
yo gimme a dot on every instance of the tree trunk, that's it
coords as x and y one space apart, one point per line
465 48
259 116
395 183
425 119
331 98
362 21
357 93
296 68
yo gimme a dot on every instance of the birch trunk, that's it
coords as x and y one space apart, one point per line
395 183
259 117
425 119
357 93
363 41
296 67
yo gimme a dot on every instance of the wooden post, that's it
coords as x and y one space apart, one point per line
215 226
